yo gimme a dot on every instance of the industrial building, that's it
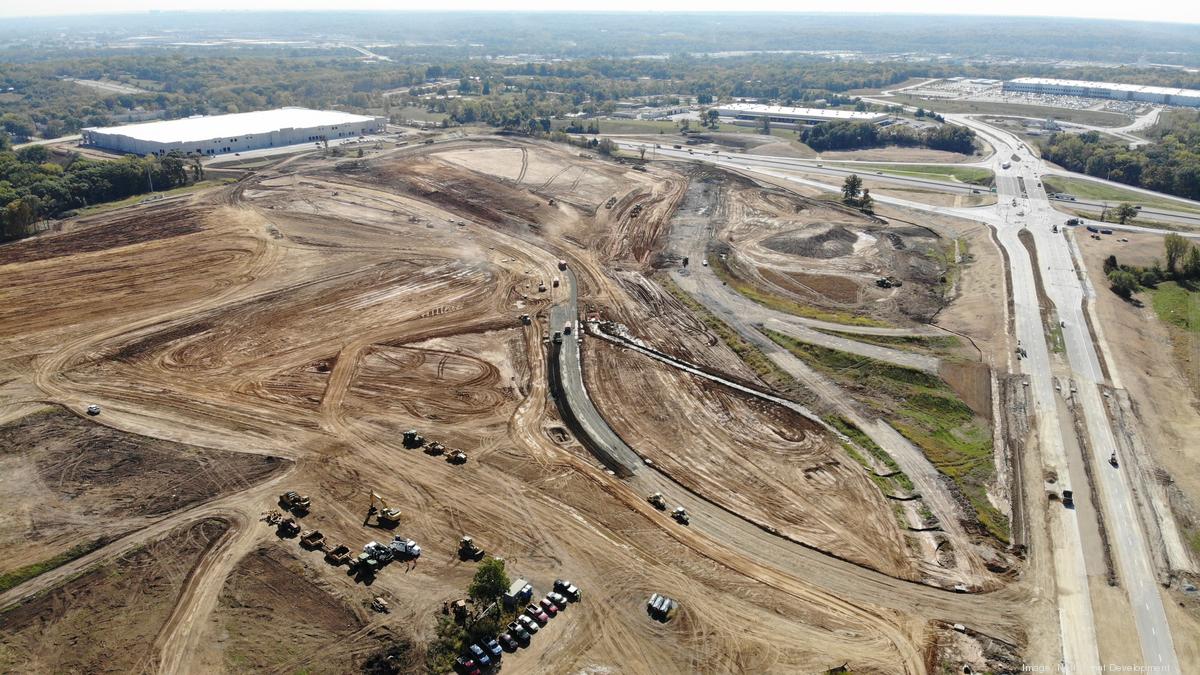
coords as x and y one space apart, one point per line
751 114
239 132
1109 90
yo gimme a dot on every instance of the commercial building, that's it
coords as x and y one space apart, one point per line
1109 90
219 134
751 114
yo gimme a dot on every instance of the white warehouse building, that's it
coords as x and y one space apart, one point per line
238 132
1110 90
751 114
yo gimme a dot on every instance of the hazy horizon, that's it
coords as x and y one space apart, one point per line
1154 11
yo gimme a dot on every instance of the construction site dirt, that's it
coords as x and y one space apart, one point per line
284 332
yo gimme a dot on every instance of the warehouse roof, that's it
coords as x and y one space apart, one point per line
784 111
1114 86
230 126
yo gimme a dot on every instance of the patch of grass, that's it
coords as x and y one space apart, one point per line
925 410
1057 344
22 574
762 366
418 114
1177 305
137 199
971 175
1094 190
925 344
724 273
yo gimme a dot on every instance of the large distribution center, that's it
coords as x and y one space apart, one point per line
218 134
1112 90
747 114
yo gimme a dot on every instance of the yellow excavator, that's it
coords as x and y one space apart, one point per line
388 517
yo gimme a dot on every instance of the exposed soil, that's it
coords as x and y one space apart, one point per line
66 480
106 620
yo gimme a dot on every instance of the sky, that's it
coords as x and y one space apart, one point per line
1184 11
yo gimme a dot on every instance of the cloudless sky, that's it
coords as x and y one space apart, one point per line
1186 11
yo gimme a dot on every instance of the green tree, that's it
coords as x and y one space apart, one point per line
865 203
851 188
490 582
1125 212
1110 264
1191 264
1123 283
1175 247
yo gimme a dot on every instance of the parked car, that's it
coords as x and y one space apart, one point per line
548 607
466 666
568 589
558 599
481 657
508 642
529 624
493 648
537 614
518 632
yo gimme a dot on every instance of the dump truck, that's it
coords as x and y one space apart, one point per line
380 605
554 282
338 555
562 264
93 410
680 515
658 501
467 550
312 539
295 502
457 457
435 448
1068 499
385 515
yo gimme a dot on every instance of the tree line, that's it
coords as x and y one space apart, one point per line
1170 164
842 135
35 185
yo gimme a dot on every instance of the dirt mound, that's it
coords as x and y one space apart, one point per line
829 241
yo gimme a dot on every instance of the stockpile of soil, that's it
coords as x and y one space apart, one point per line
830 241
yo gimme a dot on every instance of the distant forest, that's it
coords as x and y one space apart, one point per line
440 36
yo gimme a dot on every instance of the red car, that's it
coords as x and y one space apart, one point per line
537 614
548 607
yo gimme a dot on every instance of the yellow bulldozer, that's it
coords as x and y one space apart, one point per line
386 516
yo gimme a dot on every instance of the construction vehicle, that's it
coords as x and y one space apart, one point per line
93 410
467 550
526 320
567 328
680 515
365 563
288 527
404 548
1112 459
557 337
385 515
382 553
435 448
562 264
661 608
380 605
459 608
272 517
312 539
339 555
295 502
658 501
554 282
412 439
457 457
1068 499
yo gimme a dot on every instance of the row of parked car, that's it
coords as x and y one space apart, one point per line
486 654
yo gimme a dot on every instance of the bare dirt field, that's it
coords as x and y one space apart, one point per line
283 332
